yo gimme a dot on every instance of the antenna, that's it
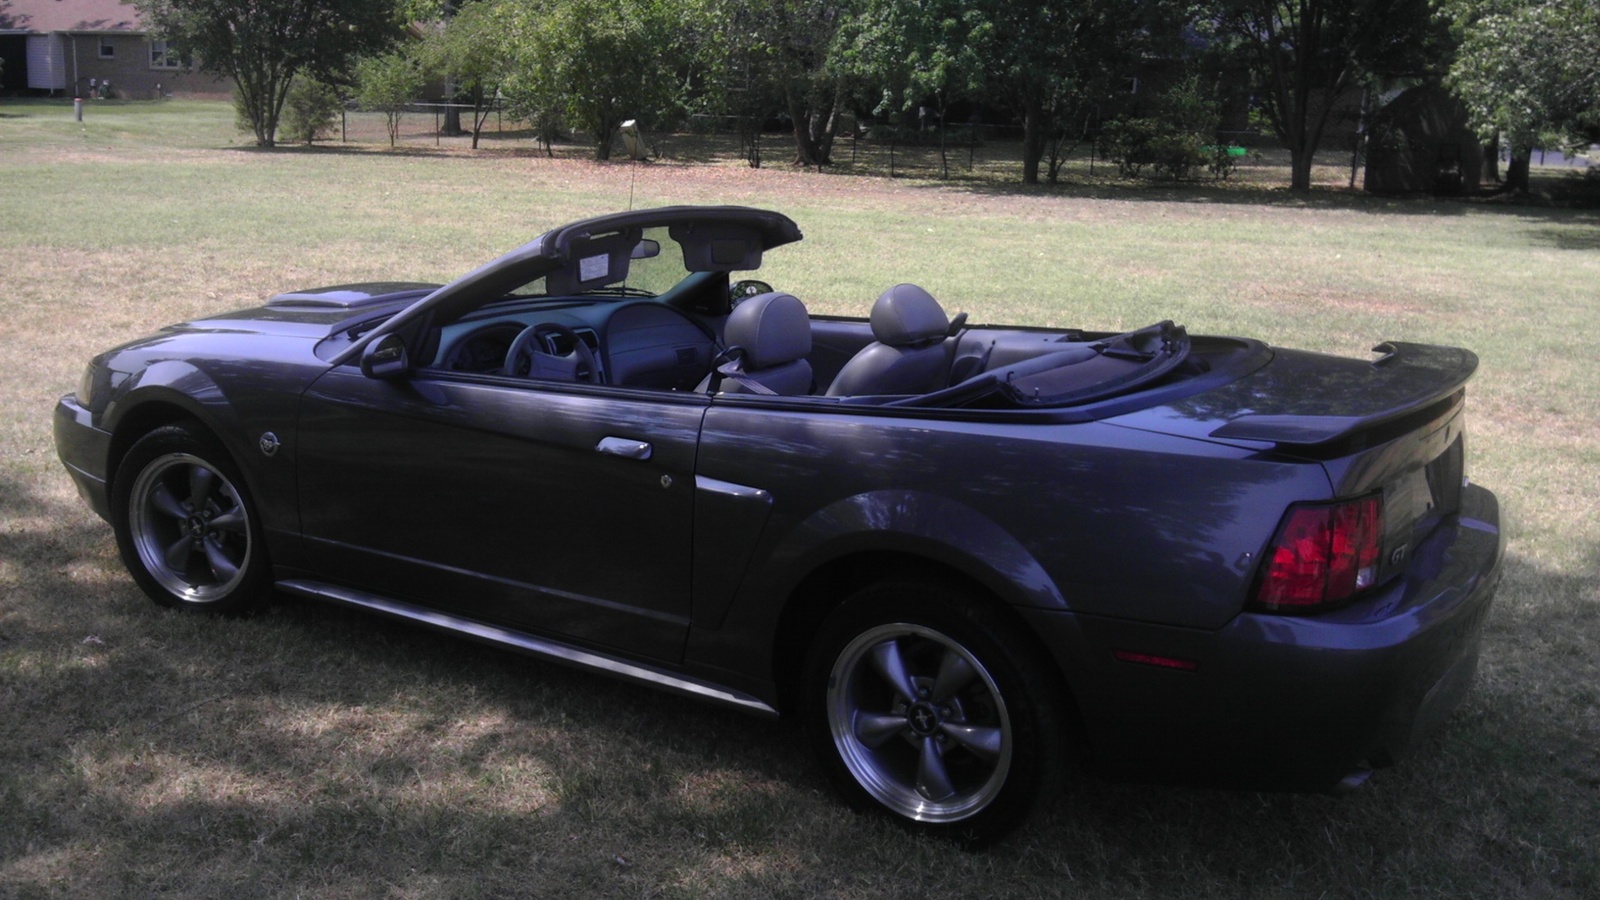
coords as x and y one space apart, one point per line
634 142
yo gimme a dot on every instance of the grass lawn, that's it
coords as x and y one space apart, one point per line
310 751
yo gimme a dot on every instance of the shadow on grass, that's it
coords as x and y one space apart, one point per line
315 749
1575 235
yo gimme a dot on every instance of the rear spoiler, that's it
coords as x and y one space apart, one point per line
1409 379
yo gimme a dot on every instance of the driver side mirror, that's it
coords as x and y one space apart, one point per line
385 357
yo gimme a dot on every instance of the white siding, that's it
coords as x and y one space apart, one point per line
47 62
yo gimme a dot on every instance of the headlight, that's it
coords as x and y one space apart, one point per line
86 385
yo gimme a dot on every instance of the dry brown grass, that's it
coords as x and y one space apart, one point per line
315 752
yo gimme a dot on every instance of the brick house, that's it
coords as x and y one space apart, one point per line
74 47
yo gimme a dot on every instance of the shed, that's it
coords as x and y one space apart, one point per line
1420 142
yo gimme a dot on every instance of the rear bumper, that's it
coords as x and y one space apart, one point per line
84 450
1280 702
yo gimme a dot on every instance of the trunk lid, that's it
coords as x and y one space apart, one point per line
1394 426
1319 406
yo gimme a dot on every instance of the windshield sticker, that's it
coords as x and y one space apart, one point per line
593 267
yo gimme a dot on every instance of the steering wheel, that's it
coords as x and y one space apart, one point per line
579 365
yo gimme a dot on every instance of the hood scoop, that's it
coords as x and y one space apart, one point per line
352 296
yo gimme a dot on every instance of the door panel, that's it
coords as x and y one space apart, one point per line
564 509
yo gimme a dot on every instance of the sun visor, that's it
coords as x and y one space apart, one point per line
718 247
594 261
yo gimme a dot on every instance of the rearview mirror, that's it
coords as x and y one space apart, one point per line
646 249
385 357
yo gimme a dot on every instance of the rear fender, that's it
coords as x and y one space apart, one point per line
906 528
937 528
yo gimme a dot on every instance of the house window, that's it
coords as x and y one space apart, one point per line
107 49
163 56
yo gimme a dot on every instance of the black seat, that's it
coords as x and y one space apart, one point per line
768 338
910 355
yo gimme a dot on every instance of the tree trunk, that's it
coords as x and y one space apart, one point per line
805 154
944 157
1517 171
1032 139
813 133
1491 160
605 133
452 113
824 128
1300 170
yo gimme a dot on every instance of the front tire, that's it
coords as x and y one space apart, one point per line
926 704
186 528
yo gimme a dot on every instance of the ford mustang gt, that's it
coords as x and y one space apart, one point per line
969 558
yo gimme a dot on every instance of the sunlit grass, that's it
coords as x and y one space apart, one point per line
315 752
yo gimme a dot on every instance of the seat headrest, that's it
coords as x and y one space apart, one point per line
772 329
906 315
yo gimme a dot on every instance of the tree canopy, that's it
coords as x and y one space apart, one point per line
593 63
1304 55
1529 72
263 44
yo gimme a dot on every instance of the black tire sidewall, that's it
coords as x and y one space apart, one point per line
189 438
1022 676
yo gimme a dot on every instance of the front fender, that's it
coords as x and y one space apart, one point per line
240 391
178 389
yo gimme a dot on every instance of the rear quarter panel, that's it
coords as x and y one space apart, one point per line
1088 517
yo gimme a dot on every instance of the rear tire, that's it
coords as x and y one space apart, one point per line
928 705
186 528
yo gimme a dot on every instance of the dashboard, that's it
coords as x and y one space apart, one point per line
642 343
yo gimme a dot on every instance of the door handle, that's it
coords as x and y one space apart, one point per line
624 447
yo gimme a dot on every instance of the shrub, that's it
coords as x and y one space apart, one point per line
1177 142
310 111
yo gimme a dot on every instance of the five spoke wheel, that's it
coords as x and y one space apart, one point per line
929 703
919 722
184 525
190 527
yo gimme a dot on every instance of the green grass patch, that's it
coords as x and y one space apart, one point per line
312 751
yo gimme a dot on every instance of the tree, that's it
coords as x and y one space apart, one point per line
729 68
1304 55
1054 63
934 50
388 83
778 54
1529 71
470 50
596 63
262 44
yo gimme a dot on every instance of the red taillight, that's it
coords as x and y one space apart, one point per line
1322 555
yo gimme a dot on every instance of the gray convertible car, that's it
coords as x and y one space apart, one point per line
971 559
